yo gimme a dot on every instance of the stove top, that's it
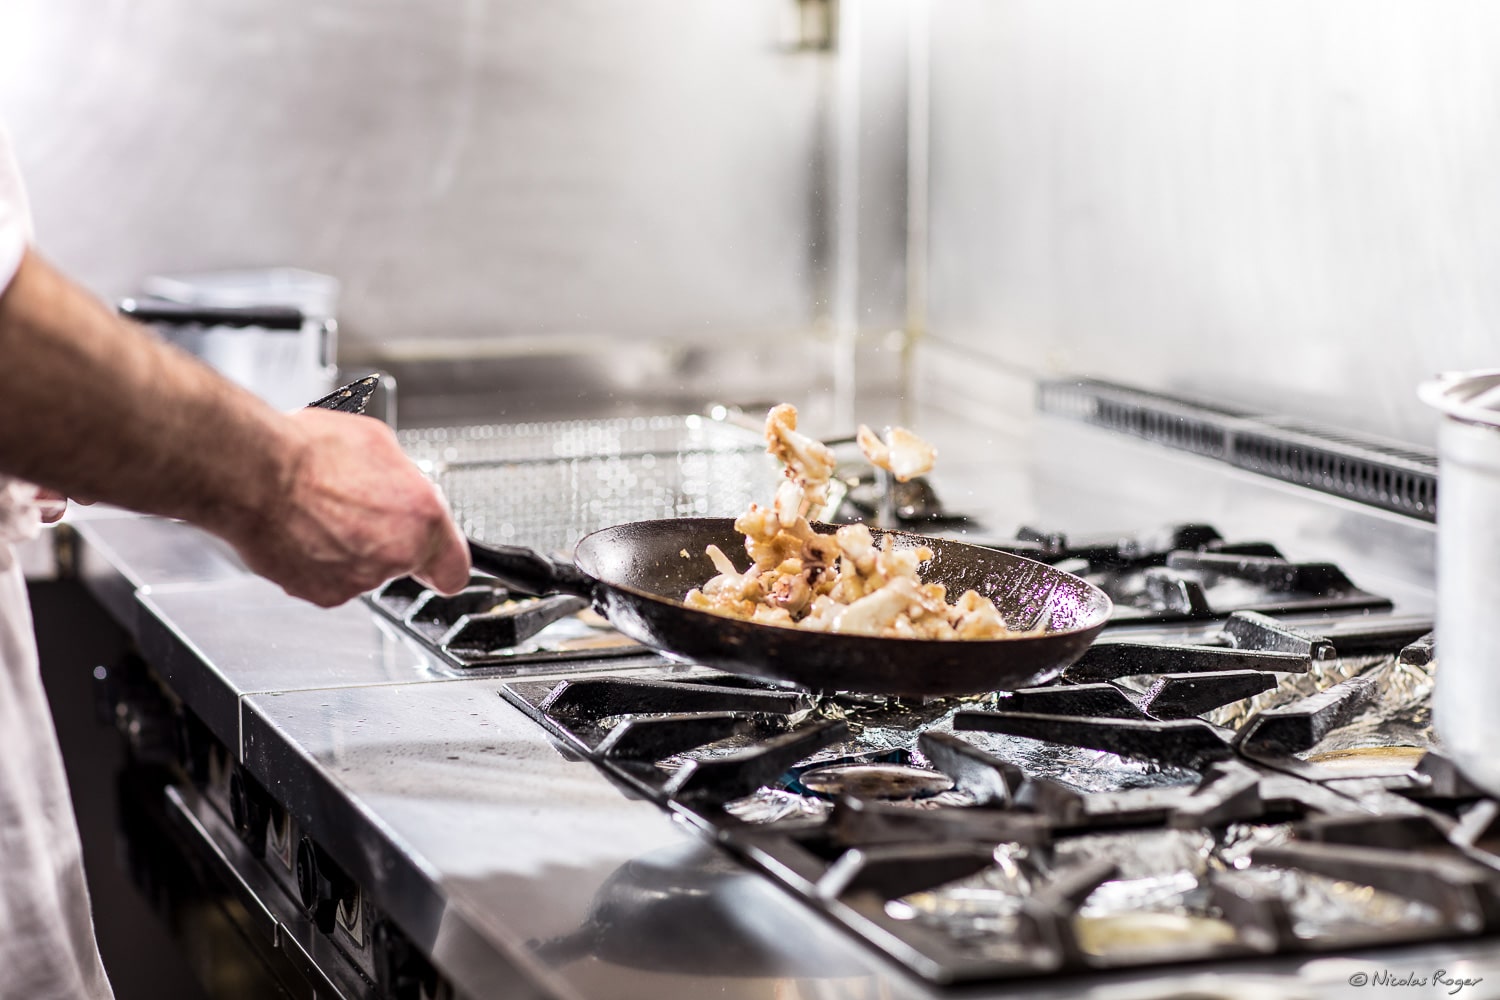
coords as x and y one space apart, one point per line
1241 766
1157 817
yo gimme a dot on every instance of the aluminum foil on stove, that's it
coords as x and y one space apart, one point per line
1394 727
979 913
772 805
1158 901
881 729
1240 840
1136 854
1079 767
1162 914
1320 676
1322 907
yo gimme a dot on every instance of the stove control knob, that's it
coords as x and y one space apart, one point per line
321 884
250 809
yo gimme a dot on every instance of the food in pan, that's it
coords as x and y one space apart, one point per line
845 582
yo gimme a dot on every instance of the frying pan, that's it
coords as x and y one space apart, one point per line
636 575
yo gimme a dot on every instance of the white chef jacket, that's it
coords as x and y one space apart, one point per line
47 949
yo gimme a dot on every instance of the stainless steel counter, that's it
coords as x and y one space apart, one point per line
508 861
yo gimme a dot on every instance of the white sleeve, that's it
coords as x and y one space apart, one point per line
15 216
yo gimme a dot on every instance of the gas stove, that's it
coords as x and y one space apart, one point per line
1241 766
1237 780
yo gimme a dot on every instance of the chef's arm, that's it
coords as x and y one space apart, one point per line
91 405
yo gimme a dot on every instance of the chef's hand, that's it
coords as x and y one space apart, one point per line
352 512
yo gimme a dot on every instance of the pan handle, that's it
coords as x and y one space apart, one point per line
530 572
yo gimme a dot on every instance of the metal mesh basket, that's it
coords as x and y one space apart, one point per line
547 485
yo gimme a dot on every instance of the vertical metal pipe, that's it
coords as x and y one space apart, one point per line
846 213
918 146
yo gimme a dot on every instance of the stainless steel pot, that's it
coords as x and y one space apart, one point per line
1466 703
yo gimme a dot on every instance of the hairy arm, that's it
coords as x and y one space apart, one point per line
91 405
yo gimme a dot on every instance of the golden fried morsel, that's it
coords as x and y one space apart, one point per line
809 462
902 453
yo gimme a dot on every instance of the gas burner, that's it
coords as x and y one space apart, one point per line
485 625
875 781
1189 572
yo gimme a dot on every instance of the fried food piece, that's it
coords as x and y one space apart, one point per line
809 462
902 453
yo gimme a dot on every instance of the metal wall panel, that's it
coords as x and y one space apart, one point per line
1286 203
472 170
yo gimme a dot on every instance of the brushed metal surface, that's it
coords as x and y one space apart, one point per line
469 169
1284 203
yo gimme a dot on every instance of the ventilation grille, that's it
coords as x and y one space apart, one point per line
1397 478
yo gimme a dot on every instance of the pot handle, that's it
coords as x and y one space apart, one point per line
529 571
184 313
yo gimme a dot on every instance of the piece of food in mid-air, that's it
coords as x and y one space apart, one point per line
902 453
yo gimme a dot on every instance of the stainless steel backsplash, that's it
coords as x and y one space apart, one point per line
543 177
1290 204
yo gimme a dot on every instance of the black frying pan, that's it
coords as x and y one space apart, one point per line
637 574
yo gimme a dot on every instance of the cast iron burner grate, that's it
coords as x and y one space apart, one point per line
487 626
999 865
1189 572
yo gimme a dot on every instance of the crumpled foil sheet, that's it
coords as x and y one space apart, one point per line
1079 767
876 725
1322 907
1173 892
1160 901
1085 770
1137 854
772 805
1322 675
881 726
1399 715
979 913
1240 840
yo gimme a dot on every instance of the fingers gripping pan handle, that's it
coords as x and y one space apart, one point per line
530 572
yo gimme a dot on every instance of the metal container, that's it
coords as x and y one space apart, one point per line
285 364
1466 702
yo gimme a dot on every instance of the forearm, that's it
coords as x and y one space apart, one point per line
93 406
